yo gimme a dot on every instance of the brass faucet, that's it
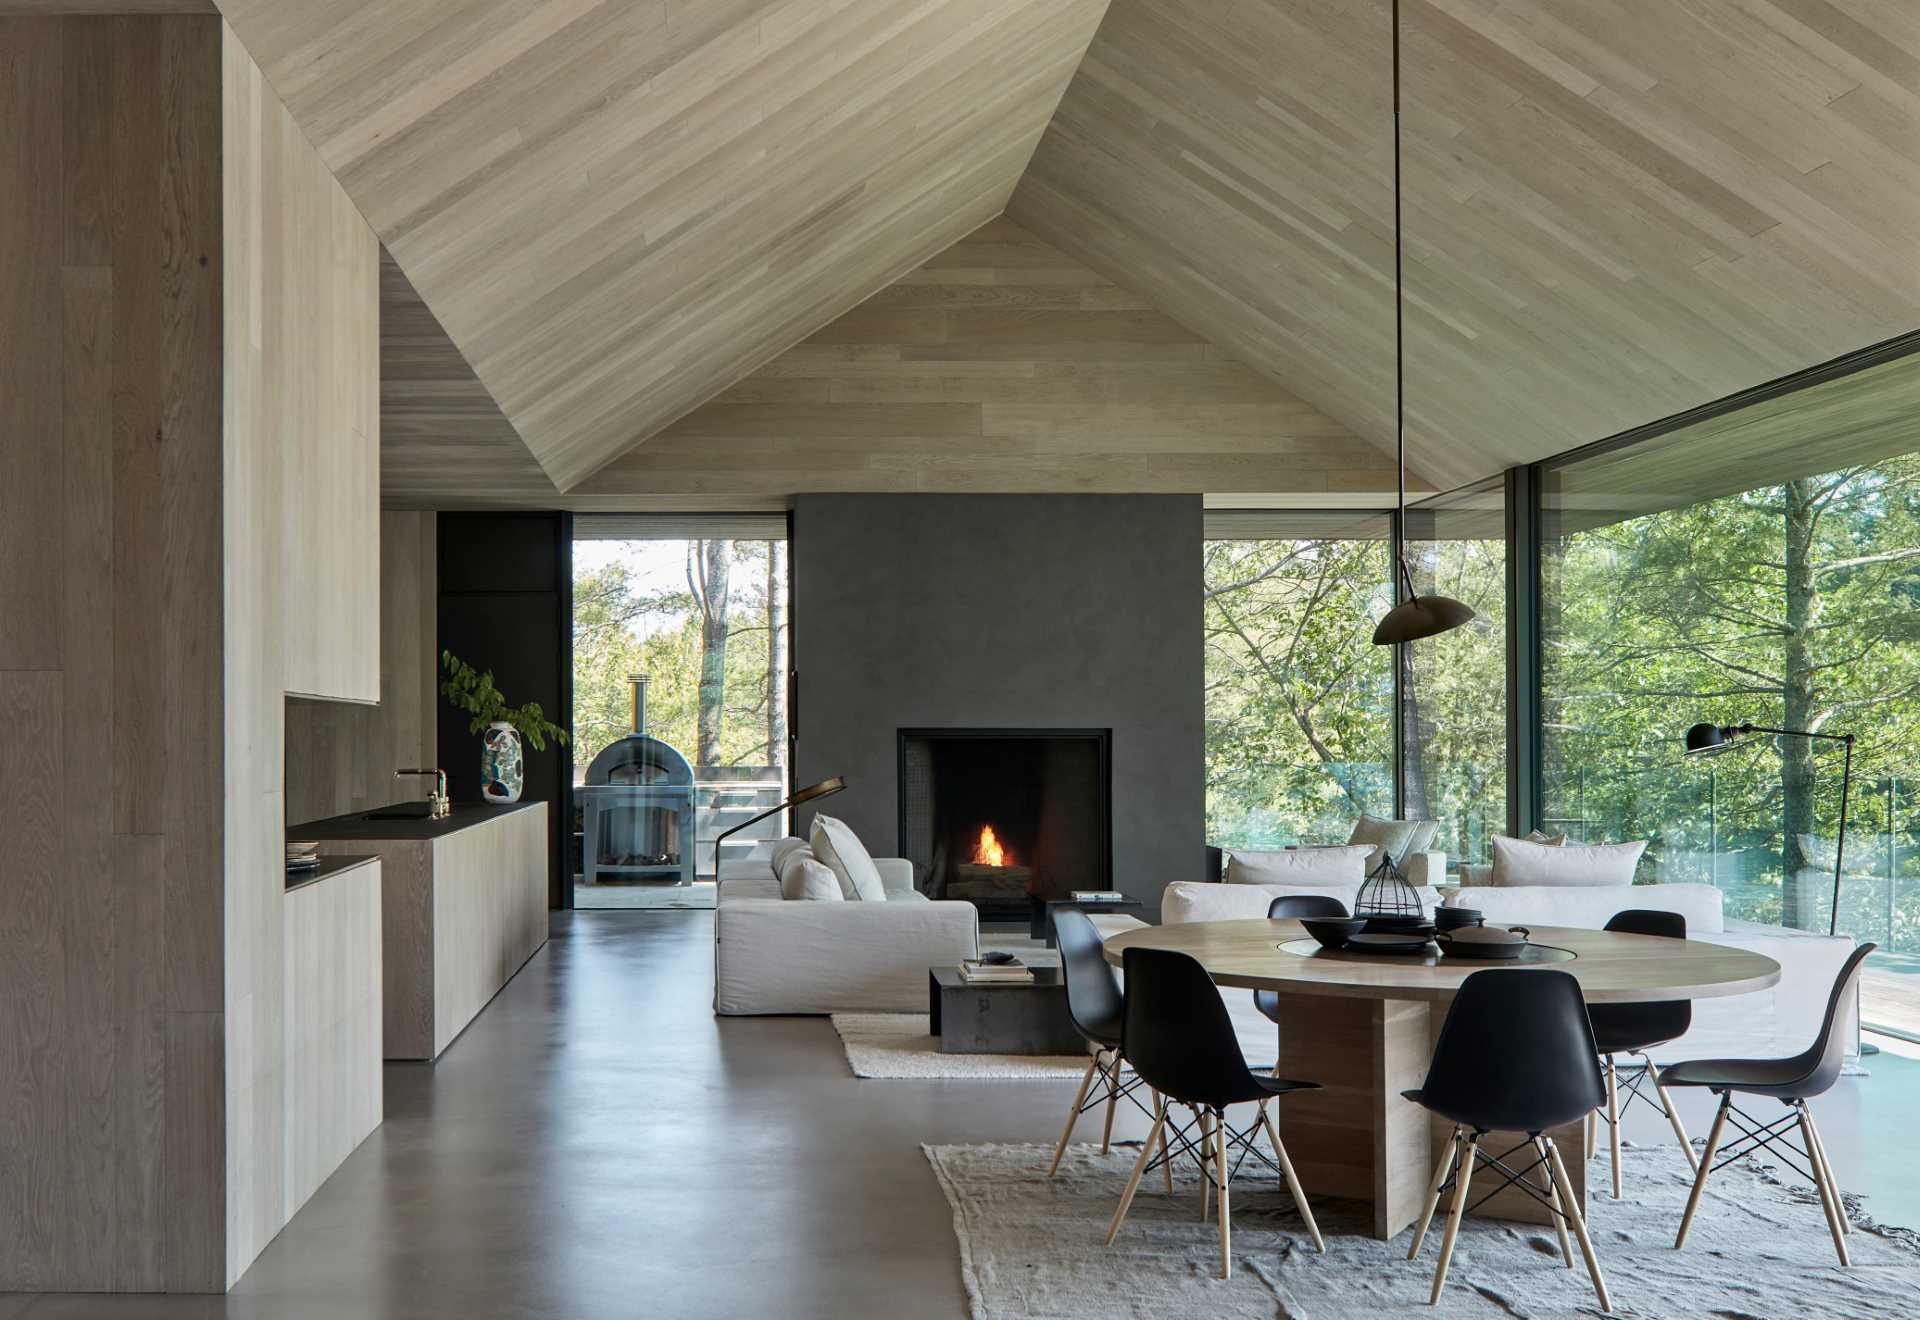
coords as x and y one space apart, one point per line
440 805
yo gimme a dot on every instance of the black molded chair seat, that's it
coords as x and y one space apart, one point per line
1782 1079
1098 1011
1293 907
1630 1037
1634 1028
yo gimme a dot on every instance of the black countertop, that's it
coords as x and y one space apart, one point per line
357 826
329 865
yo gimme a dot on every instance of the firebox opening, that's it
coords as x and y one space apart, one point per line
999 816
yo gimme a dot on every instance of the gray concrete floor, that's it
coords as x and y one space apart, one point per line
597 1144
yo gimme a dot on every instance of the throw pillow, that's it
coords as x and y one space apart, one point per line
1304 867
805 878
840 848
1517 862
784 848
1551 840
1400 838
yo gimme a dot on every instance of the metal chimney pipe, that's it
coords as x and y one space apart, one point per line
639 682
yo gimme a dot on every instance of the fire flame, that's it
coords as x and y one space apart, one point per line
989 851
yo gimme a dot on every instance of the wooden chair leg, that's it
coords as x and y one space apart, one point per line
1166 1156
1706 1167
1454 1214
1593 1143
1826 1167
1571 1204
1673 1115
1226 1221
1833 1213
1206 1153
1073 1114
1293 1180
1112 1074
1553 1199
1613 1125
1440 1172
1133 1182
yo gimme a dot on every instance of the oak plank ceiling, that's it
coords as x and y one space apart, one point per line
1615 209
999 364
618 209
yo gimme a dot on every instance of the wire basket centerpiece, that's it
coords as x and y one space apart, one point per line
1387 892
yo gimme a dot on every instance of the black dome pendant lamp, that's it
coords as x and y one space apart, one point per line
1416 616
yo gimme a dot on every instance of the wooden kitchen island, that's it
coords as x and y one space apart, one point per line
463 906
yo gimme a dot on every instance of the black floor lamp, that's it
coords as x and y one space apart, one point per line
825 788
1712 739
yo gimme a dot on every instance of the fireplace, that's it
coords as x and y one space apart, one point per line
996 815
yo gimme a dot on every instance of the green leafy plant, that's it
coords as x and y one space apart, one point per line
472 691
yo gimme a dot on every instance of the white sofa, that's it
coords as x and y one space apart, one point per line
1769 1023
772 955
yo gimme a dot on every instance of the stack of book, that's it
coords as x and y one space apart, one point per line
1097 896
1014 973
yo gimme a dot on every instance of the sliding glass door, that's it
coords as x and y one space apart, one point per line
696 609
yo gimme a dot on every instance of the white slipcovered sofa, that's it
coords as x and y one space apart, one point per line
1769 1023
775 955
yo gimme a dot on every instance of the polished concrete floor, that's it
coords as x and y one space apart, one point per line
597 1144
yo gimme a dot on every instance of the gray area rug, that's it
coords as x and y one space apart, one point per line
1030 1247
898 1045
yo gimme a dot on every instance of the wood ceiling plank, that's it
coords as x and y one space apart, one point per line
617 210
1614 209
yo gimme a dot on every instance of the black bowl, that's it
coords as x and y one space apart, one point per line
1333 932
1393 923
1452 918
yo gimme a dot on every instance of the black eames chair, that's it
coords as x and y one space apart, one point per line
1095 1004
1792 1081
1516 1054
1292 907
1181 1041
1633 1029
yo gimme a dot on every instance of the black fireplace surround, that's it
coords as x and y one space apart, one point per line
1045 794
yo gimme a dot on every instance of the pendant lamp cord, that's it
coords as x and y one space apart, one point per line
1399 330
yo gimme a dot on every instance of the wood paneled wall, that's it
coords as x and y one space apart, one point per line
301 563
111 760
341 755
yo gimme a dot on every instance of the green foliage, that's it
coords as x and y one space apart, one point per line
472 691
621 629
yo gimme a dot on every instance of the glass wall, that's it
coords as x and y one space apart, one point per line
698 606
1454 688
1763 567
1299 703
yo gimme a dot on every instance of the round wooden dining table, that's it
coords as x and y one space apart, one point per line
1362 1025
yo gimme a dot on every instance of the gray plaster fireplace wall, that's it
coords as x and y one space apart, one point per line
1006 611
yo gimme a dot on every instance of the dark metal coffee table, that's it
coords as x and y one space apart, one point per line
1018 1018
1040 921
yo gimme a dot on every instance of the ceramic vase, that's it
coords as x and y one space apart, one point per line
502 765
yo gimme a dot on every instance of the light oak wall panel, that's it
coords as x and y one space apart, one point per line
301 569
110 684
332 1046
341 755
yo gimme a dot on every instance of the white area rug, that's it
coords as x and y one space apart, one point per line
899 1045
1030 1246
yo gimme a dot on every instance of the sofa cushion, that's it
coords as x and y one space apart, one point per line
1196 900
1398 838
840 848
1518 862
805 878
1315 867
1590 907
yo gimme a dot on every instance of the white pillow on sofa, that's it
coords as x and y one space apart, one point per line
1518 862
840 848
805 878
1300 867
1399 838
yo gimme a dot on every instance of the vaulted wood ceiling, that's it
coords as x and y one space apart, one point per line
1615 209
616 209
1000 364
